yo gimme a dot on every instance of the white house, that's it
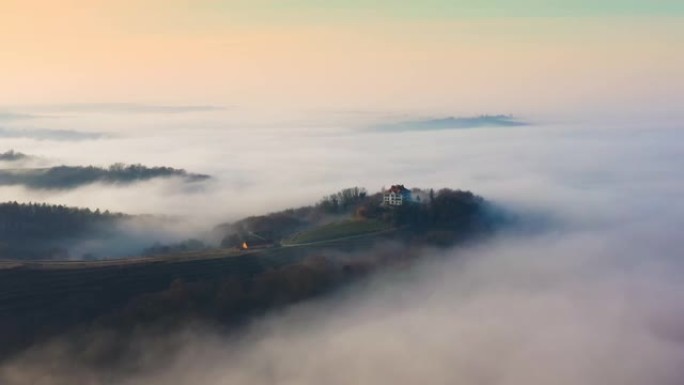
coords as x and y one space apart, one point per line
397 195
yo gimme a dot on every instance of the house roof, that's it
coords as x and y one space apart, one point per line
398 189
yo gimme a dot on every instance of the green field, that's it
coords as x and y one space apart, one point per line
337 230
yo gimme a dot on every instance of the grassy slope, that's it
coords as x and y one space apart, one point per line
338 230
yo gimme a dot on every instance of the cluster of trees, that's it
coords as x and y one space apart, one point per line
232 297
453 209
442 217
343 201
121 173
40 220
69 177
444 209
32 230
446 212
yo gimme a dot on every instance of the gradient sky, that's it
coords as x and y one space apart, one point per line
527 56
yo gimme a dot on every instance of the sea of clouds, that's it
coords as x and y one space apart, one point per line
593 298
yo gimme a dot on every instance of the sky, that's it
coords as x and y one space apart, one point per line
524 57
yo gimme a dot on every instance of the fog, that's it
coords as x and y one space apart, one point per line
264 164
594 298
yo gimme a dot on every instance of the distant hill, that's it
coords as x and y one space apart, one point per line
450 123
70 177
12 156
41 231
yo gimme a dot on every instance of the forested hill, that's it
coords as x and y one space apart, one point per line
443 217
12 156
70 177
439 217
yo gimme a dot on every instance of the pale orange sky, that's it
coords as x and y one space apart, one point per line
172 52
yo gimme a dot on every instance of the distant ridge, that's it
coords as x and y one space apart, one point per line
70 177
12 156
451 122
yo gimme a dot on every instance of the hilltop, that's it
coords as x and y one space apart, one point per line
440 217
452 123
33 231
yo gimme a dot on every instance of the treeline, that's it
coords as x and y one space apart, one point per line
34 230
69 177
445 209
225 300
442 217
120 172
439 218
40 220
343 201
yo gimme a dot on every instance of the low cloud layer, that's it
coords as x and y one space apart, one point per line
12 116
125 108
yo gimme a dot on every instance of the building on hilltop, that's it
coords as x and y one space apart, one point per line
397 195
